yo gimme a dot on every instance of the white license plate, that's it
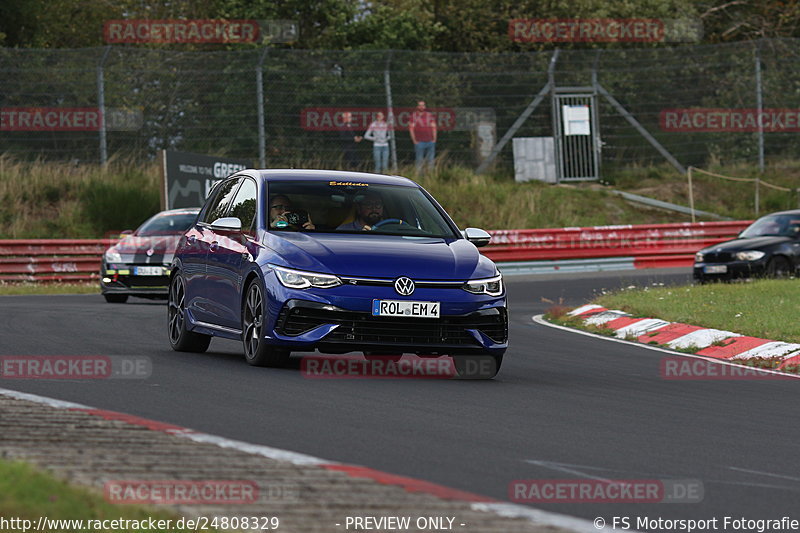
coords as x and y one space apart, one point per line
715 269
148 271
405 308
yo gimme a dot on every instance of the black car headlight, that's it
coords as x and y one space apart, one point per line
298 279
491 286
749 255
698 257
112 256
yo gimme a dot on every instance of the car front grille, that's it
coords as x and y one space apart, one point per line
718 257
363 328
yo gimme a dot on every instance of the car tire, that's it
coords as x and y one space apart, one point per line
181 339
116 298
778 267
257 351
477 366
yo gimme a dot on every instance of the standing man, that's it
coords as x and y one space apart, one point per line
422 127
349 140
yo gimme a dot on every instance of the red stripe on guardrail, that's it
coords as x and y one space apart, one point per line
651 246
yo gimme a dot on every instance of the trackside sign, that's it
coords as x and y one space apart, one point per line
189 178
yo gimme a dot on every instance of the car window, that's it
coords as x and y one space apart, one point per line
221 200
772 225
167 224
334 207
243 206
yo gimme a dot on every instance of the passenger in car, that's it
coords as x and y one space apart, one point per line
282 215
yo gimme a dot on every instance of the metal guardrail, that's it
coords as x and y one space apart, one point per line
647 246
52 259
650 246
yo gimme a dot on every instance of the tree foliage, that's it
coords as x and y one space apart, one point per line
438 25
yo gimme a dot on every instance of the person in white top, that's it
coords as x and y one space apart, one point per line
378 133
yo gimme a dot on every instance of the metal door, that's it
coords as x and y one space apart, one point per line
576 134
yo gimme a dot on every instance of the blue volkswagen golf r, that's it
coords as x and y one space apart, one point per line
304 260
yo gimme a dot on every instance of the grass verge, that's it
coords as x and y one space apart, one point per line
28 493
11 289
759 308
63 200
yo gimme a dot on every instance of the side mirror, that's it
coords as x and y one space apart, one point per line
230 224
477 236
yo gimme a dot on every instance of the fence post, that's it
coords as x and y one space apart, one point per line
387 82
101 105
691 191
262 137
758 196
760 109
556 119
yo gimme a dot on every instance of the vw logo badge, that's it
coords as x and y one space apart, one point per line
404 286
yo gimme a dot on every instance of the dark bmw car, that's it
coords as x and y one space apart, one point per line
139 265
770 247
302 260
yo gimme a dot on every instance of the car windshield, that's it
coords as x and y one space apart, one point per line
354 207
167 224
774 225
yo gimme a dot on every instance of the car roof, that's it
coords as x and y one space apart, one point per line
793 212
333 175
180 211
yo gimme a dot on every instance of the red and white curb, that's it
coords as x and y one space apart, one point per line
714 343
476 502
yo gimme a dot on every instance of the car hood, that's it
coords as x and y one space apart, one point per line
147 249
753 243
381 256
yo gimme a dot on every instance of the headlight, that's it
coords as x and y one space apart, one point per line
749 255
491 286
297 279
113 257
698 257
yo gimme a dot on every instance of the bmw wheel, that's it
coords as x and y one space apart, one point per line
256 350
181 339
778 267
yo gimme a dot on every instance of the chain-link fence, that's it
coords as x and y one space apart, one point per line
283 108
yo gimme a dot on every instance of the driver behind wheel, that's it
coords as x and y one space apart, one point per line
369 211
282 216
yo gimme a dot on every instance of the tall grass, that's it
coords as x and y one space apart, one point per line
64 200
723 197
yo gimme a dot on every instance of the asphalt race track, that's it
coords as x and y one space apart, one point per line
564 406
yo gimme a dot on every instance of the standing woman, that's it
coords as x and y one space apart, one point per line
378 133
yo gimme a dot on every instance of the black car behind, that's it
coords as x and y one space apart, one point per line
770 247
139 265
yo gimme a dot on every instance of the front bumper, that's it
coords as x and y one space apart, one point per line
303 324
733 270
122 279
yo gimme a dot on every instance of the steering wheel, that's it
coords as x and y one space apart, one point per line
388 221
